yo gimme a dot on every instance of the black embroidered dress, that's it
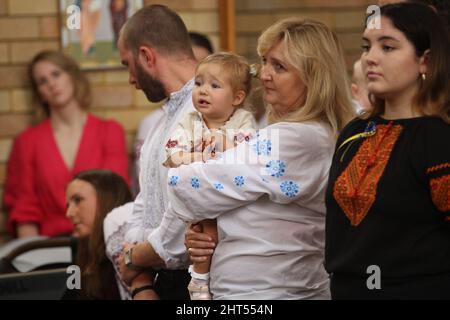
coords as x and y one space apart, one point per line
388 205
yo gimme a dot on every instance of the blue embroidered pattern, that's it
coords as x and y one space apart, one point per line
275 168
239 181
262 147
218 186
173 180
195 183
289 188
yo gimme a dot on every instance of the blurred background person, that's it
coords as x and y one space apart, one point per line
90 196
201 45
44 158
359 89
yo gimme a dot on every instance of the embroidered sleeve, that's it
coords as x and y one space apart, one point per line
284 163
178 141
439 177
438 165
242 128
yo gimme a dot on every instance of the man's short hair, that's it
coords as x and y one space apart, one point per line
159 27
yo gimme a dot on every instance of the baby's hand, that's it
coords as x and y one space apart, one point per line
222 143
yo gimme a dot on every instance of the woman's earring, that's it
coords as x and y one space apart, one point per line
424 76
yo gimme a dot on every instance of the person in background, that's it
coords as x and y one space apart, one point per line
359 89
201 46
90 196
388 197
44 158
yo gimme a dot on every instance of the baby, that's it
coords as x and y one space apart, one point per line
222 82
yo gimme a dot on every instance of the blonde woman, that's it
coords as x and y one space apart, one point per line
267 194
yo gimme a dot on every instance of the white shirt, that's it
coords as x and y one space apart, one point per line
192 131
148 125
151 202
268 196
114 228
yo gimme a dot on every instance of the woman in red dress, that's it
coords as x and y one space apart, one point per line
44 158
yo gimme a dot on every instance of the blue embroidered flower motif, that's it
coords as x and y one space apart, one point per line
262 147
195 183
239 181
173 180
289 188
218 186
275 168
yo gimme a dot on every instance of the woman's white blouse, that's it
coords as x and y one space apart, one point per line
268 195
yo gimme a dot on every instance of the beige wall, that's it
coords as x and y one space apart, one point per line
28 26
346 17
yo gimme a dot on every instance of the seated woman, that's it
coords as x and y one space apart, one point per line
45 157
91 195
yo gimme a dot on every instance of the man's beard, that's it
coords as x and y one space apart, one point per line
153 89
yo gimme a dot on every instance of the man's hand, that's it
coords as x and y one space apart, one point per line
127 274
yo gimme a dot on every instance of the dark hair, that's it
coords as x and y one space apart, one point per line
442 8
82 90
423 28
159 27
98 272
200 40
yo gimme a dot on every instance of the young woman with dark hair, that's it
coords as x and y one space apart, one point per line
91 195
388 197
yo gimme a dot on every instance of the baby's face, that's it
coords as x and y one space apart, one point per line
213 95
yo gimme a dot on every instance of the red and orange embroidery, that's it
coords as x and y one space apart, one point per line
440 192
438 167
355 189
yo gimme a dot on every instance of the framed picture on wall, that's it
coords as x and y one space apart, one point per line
90 28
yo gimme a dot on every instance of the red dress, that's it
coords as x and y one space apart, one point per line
37 175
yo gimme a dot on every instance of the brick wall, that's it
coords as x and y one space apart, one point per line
346 17
29 26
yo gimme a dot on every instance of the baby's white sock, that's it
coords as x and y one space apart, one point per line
200 278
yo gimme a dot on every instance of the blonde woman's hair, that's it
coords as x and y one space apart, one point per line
315 52
236 67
